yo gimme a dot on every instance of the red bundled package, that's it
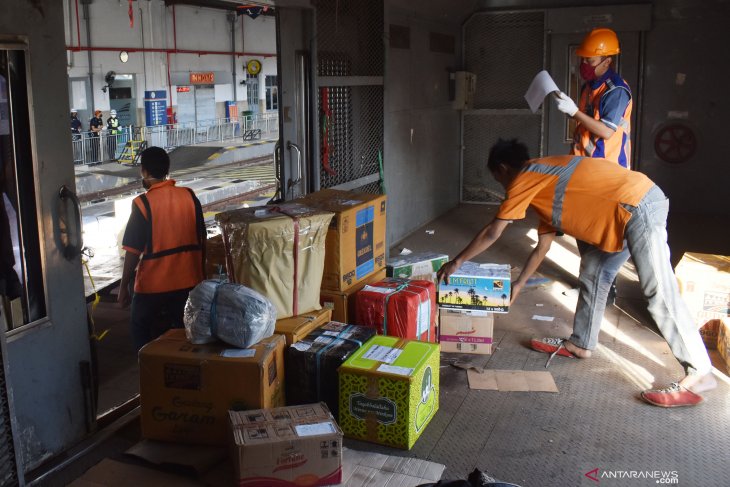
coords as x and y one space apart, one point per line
411 308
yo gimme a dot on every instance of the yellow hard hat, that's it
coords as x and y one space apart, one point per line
599 42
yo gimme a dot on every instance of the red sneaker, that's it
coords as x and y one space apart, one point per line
553 346
674 396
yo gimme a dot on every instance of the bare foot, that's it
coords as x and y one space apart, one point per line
576 350
699 383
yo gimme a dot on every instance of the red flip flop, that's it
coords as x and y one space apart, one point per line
553 346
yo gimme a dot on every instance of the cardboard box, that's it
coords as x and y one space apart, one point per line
279 252
298 327
466 331
704 282
342 303
399 307
479 287
215 258
289 446
312 363
421 266
723 342
356 238
389 391
186 390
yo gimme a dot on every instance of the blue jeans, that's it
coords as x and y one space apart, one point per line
646 240
154 314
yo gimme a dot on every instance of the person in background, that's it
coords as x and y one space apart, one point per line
96 125
113 130
608 208
603 113
165 250
75 125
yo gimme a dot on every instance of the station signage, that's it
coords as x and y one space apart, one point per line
183 89
205 78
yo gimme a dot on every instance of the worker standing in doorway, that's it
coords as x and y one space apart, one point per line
609 209
603 113
113 130
165 245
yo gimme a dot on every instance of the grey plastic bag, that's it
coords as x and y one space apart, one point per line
230 312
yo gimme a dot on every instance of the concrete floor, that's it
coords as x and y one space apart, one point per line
596 421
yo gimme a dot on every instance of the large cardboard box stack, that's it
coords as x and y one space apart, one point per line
312 363
289 446
399 307
389 391
342 303
356 237
704 282
466 331
186 390
298 327
278 251
420 266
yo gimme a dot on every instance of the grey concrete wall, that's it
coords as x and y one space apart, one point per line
686 66
422 135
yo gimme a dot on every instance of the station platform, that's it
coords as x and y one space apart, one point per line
219 174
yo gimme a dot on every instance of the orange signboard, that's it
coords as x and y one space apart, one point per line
207 78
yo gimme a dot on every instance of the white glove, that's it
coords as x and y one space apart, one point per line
566 105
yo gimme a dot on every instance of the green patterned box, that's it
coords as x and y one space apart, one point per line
389 390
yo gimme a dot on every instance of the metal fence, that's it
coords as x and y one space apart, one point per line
95 148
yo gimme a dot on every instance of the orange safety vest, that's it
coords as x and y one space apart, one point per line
616 148
173 255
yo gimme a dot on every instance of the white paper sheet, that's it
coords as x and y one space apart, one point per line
541 86
381 353
315 429
238 353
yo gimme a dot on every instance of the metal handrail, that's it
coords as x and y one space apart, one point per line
94 148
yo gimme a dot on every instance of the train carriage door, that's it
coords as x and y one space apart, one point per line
43 307
293 84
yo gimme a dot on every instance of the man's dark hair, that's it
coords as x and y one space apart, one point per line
156 162
508 152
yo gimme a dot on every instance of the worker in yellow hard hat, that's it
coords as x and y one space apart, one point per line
603 111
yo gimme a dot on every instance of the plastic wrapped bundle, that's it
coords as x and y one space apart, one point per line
399 307
312 363
279 251
231 312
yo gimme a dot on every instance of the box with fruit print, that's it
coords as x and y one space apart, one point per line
479 287
389 391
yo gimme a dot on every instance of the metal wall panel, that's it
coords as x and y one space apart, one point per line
505 50
350 54
354 133
482 131
8 462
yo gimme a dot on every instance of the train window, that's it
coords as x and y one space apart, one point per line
22 295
